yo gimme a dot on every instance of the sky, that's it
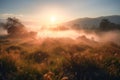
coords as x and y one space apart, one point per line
64 10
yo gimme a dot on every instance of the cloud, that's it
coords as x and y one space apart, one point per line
6 15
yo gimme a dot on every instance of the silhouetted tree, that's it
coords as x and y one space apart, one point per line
105 24
15 27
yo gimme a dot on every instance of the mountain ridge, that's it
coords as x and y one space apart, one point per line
92 22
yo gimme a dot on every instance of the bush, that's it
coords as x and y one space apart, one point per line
8 68
83 69
28 73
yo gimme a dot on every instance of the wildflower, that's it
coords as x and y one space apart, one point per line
48 76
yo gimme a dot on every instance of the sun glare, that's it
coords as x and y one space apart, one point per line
53 19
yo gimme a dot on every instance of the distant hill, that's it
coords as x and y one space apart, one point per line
91 22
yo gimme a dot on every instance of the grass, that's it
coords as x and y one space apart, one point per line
57 59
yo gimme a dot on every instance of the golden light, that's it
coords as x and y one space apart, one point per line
53 19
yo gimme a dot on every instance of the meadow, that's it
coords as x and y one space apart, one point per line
59 39
58 59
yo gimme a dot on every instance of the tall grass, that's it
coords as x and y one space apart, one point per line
59 60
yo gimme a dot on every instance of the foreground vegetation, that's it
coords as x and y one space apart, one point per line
59 59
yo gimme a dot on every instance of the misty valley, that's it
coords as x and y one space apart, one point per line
64 52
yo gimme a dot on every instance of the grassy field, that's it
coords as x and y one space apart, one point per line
58 59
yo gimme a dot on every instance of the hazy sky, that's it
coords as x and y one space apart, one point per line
63 9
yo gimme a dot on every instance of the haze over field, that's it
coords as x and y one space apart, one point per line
59 40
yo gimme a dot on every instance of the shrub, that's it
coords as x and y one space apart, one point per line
8 68
28 73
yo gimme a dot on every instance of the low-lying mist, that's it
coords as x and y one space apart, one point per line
3 31
98 36
63 51
94 35
101 34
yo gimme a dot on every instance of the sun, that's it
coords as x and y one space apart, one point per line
53 19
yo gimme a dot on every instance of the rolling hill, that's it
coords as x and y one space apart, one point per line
91 22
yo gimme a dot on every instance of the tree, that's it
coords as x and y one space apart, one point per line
15 27
104 24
